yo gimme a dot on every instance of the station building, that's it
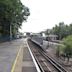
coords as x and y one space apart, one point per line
51 37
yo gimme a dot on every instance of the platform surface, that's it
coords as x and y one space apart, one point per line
28 64
8 53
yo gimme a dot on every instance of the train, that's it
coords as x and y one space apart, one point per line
44 42
37 38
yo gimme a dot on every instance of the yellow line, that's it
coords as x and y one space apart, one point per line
14 64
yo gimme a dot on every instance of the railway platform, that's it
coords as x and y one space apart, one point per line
15 56
27 63
8 54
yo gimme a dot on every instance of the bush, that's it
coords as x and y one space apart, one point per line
68 48
60 50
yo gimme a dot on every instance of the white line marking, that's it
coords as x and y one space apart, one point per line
37 67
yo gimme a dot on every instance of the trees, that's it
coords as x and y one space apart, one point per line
47 31
60 50
70 29
62 30
66 48
55 30
59 30
12 12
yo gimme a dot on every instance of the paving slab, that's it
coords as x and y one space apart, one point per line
8 53
27 64
29 69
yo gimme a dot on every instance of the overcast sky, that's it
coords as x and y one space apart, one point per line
46 13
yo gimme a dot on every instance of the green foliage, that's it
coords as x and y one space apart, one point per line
68 43
13 12
65 48
60 49
62 30
47 32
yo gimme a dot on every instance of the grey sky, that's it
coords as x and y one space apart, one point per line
46 13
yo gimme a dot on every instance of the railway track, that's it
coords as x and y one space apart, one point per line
44 61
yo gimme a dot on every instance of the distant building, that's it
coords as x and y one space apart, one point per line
27 34
51 37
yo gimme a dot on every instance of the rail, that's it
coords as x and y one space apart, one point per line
59 67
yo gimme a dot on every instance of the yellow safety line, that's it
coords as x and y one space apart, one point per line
14 64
